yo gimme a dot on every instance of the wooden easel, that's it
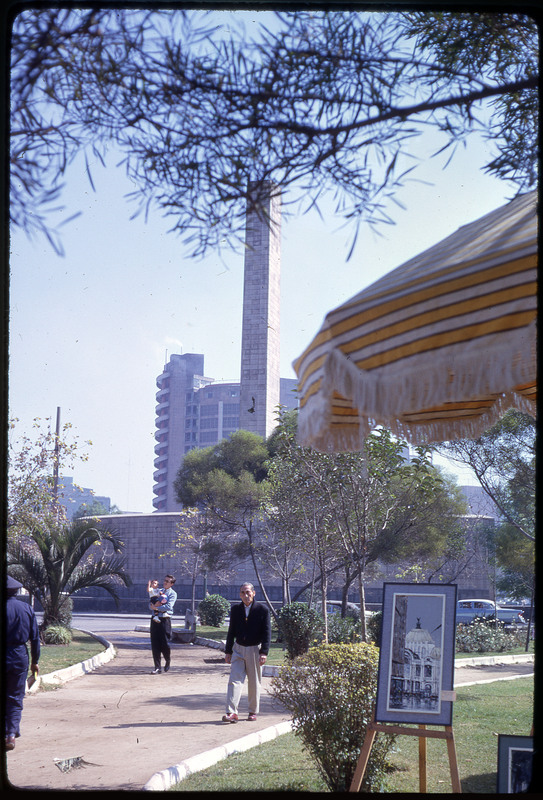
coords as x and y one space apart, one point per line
423 733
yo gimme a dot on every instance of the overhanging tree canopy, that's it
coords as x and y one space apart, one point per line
314 101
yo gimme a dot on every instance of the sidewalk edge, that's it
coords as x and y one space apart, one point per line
166 778
60 676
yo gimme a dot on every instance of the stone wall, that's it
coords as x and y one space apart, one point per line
148 538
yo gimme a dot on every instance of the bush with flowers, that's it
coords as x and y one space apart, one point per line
483 636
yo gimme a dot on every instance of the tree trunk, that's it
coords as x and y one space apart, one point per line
311 590
324 592
362 606
529 630
286 590
193 593
345 594
249 532
195 568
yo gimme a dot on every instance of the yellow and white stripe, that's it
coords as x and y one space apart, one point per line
438 348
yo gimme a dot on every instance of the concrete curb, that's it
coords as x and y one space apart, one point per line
495 680
164 780
60 676
490 661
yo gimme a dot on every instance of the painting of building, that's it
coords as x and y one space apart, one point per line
416 655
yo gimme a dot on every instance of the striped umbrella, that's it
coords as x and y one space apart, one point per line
435 350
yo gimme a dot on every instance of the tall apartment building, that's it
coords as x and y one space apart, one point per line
194 411
176 425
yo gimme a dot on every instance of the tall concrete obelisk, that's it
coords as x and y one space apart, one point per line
260 381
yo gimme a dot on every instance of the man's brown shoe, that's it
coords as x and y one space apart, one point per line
230 718
252 718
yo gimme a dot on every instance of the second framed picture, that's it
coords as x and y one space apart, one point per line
515 761
416 657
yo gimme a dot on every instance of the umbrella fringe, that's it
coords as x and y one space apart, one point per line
451 429
418 386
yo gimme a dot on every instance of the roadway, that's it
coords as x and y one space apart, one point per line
102 623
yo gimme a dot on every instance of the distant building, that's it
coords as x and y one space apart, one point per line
479 502
74 497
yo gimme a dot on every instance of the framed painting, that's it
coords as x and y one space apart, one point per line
416 657
515 758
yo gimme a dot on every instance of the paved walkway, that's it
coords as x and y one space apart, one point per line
124 726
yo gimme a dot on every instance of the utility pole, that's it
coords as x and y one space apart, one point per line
55 466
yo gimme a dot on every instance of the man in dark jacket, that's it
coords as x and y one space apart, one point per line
247 646
21 627
161 625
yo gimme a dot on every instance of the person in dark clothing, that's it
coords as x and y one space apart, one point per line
21 627
161 632
247 646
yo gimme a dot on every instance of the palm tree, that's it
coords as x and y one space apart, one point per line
58 558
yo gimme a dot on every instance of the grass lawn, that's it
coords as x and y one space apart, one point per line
278 766
58 656
515 651
480 714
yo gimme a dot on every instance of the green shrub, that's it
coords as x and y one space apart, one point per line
57 634
352 612
373 627
330 693
213 610
299 626
480 636
343 630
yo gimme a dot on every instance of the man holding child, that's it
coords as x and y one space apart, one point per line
161 604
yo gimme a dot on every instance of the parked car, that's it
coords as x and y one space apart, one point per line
467 610
334 607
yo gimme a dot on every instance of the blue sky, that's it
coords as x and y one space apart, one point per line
90 331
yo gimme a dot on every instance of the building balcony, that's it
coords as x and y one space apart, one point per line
163 380
163 391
